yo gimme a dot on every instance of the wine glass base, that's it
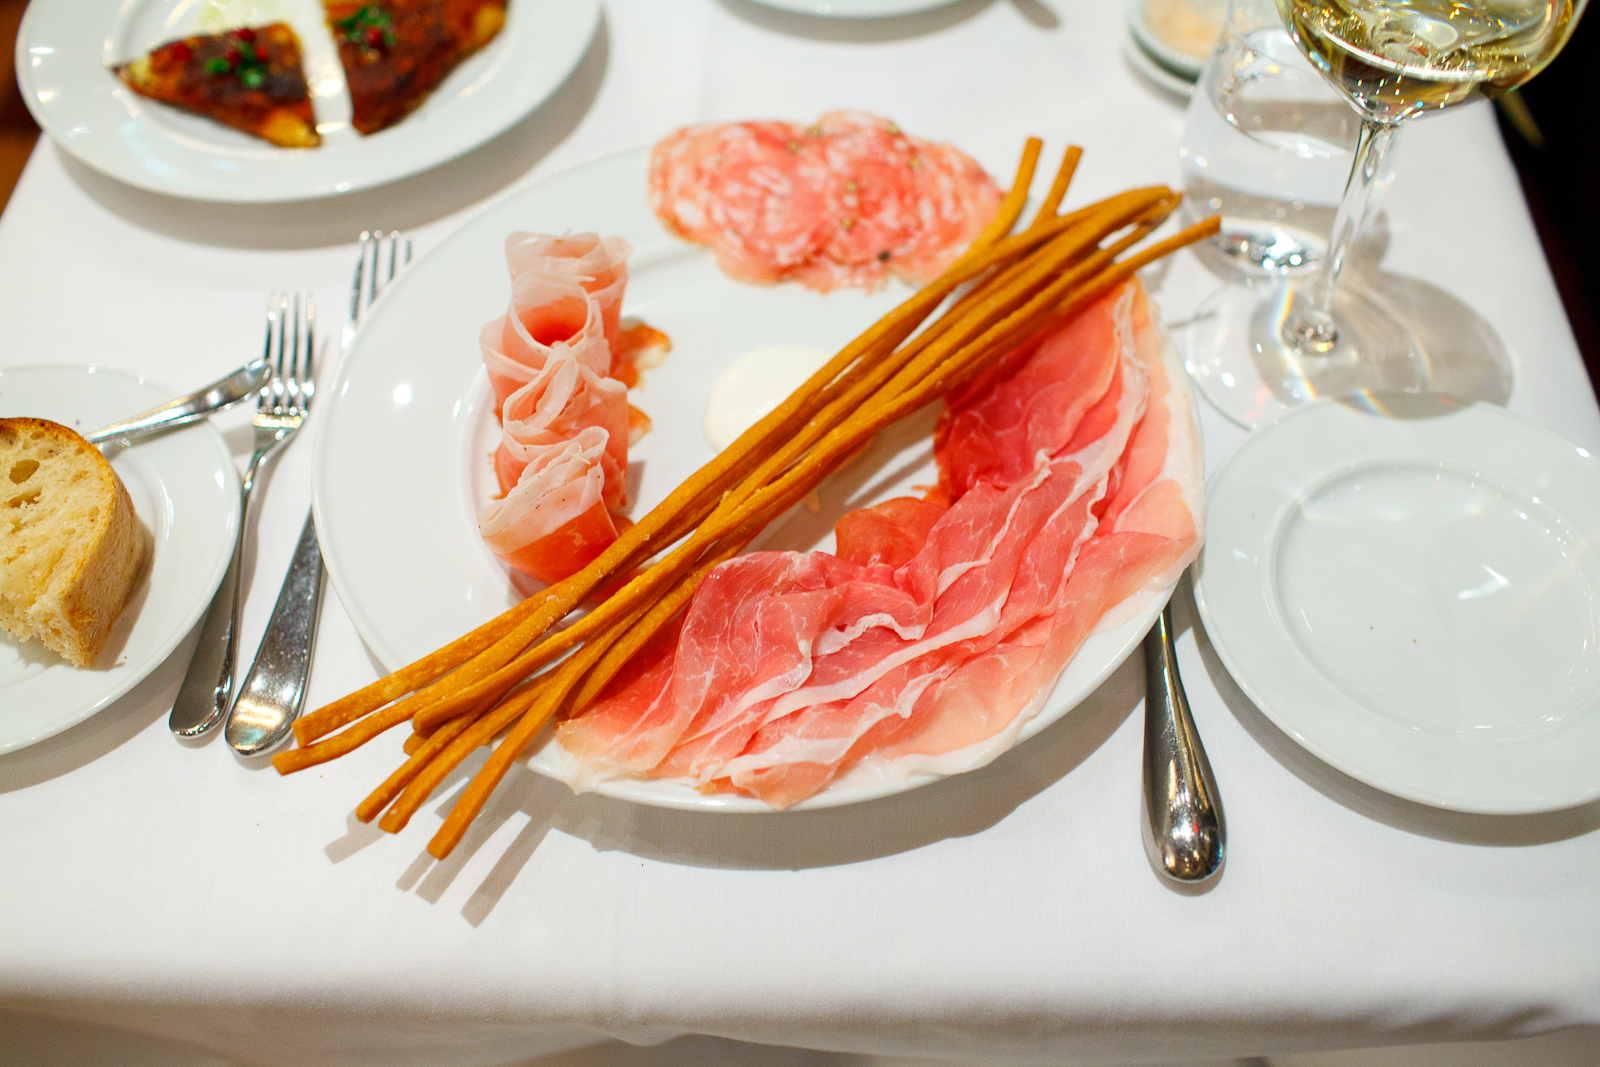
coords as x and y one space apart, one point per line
1235 352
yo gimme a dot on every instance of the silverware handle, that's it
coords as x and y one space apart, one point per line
208 683
186 409
275 689
1184 833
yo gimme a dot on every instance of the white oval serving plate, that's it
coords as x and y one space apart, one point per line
401 456
65 49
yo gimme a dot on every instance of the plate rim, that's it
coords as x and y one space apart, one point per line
202 429
1114 644
1218 626
860 9
288 187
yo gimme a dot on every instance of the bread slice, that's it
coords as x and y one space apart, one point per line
71 548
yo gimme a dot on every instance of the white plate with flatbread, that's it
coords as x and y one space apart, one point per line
65 49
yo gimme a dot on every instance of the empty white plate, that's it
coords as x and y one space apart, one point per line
1410 589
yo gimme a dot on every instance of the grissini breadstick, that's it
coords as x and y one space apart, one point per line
537 613
512 631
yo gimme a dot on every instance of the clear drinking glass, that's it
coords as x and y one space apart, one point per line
1256 351
1267 144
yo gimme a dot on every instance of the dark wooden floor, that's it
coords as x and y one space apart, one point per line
1556 155
17 131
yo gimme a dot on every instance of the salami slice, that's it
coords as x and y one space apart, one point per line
846 202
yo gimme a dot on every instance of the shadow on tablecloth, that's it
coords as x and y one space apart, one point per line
953 807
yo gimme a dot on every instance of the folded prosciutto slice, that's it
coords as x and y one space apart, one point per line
566 303
599 264
554 520
563 399
566 423
1069 492
847 201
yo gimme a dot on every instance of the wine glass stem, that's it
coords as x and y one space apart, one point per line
1310 327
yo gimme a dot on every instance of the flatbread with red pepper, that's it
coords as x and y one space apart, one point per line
396 52
250 78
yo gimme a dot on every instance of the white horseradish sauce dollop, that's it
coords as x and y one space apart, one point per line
758 381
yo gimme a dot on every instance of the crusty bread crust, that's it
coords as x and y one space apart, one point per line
71 548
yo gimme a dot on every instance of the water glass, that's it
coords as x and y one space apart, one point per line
1267 143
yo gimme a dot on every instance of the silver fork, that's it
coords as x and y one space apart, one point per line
274 691
281 407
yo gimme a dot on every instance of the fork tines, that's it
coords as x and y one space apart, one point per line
291 351
381 256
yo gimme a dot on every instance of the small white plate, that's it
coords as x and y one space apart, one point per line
400 536
66 47
1161 52
1410 589
186 492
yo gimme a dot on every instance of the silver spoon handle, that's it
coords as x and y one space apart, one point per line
203 697
1184 833
222 393
275 689
208 685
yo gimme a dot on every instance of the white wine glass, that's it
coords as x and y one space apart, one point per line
1256 350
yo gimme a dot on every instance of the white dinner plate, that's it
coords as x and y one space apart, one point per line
186 492
1410 589
402 450
66 47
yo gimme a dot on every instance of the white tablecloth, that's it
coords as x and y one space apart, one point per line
1009 913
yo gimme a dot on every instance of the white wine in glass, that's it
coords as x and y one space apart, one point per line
1397 60
1256 352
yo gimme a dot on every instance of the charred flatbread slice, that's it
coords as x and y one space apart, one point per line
251 78
396 52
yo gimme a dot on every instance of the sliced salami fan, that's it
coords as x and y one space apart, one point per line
848 201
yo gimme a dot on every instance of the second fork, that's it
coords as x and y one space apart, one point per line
281 407
274 689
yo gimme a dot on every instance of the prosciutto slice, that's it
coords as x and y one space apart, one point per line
566 423
599 264
847 201
562 400
555 519
1069 490
566 303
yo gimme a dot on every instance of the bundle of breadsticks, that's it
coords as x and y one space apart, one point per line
513 676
